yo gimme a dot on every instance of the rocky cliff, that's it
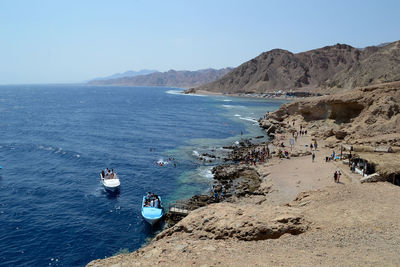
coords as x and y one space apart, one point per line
331 68
366 115
170 78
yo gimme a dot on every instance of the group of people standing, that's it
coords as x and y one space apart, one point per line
152 200
257 155
107 173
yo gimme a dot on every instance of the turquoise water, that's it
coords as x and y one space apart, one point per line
57 138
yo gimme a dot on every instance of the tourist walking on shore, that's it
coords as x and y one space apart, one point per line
313 157
338 176
335 175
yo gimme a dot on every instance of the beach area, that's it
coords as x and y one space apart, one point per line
282 211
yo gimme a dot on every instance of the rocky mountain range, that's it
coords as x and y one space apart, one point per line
328 69
129 73
170 78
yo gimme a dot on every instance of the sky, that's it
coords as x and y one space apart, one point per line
68 41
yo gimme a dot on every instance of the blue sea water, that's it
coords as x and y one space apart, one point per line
55 139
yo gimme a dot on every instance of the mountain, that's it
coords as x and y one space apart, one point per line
328 69
129 73
170 78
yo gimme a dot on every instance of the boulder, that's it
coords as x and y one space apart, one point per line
376 177
328 133
340 134
386 149
272 129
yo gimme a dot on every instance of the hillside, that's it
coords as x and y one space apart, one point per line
170 78
366 115
331 68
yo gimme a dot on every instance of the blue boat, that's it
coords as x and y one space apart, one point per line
152 214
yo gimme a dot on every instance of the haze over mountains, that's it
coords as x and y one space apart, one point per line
329 69
171 78
129 73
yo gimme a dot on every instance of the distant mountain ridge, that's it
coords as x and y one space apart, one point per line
129 73
171 78
331 68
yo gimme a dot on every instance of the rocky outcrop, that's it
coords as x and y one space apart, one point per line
327 69
227 220
367 115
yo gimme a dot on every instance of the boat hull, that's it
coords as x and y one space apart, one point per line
151 221
111 184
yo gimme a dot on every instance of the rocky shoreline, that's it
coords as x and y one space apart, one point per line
286 210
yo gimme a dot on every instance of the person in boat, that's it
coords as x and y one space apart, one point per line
148 196
112 174
157 203
102 174
106 173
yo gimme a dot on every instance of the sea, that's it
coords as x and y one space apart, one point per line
55 140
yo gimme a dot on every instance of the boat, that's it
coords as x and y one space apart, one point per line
152 214
110 183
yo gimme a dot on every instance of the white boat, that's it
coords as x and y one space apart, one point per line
110 183
152 214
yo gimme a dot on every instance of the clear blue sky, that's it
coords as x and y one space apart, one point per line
72 41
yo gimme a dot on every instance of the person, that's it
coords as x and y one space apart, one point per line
313 157
305 132
157 203
280 154
102 174
338 176
106 173
335 175
353 167
216 196
315 144
311 146
148 196
333 155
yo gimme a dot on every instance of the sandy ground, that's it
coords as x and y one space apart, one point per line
291 176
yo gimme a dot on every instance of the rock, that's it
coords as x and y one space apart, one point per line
340 134
328 133
376 177
386 149
221 221
272 129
